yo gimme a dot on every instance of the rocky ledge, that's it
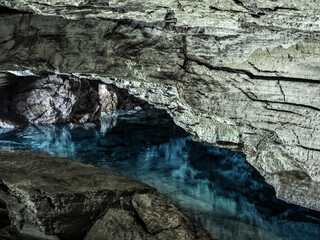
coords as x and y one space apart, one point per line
50 198
241 74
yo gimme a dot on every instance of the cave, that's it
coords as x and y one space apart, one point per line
208 110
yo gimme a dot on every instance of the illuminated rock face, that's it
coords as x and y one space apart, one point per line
49 99
238 74
52 99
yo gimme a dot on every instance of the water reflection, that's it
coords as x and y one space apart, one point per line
214 186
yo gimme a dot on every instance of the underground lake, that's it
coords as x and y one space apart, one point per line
216 187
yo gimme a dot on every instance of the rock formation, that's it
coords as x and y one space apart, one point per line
53 98
46 197
241 74
112 98
48 99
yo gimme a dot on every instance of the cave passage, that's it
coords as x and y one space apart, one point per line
216 187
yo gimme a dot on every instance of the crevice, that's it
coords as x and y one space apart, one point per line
4 188
180 6
49 200
10 11
298 140
259 70
40 115
268 107
224 10
253 76
248 94
239 3
144 226
185 51
140 221
280 8
281 90
309 148
250 11
165 229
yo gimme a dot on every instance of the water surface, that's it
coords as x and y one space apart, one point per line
216 187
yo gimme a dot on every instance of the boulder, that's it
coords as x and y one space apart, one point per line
148 216
46 197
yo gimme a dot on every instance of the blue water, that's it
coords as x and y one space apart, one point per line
216 187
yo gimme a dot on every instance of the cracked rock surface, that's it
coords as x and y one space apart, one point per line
112 97
47 197
48 99
241 74
161 220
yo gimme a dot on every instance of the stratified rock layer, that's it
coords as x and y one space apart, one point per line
239 74
47 197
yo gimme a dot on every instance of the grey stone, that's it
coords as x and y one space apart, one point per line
6 124
148 217
108 98
238 74
163 220
56 196
50 198
52 99
112 98
117 224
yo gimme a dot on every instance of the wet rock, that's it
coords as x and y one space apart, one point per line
55 198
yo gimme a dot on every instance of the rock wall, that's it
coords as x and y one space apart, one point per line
112 98
53 98
48 99
237 73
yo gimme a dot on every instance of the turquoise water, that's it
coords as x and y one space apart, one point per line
216 187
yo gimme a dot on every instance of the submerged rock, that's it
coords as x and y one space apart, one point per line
55 198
